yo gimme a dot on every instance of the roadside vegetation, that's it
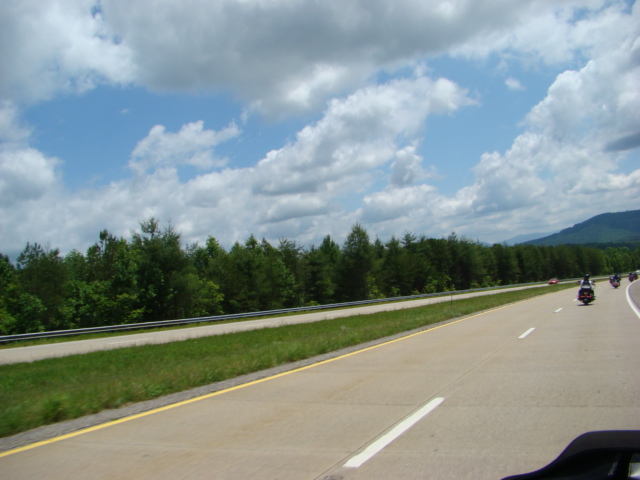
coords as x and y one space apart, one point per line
152 276
53 390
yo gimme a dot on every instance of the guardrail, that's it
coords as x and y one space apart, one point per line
233 316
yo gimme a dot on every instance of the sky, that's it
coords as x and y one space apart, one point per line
297 119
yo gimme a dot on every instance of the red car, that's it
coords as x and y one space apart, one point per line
553 281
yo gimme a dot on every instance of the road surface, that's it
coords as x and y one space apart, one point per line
487 396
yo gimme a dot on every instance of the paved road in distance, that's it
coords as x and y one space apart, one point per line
512 387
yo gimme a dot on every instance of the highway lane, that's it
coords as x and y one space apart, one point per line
512 399
575 372
39 352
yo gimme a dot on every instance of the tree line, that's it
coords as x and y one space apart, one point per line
153 276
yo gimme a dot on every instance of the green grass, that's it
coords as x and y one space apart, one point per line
91 336
52 390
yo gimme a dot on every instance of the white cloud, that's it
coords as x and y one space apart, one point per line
568 157
399 203
56 46
192 145
361 160
25 174
599 103
296 207
32 201
229 45
552 32
407 167
306 186
513 84
358 134
11 132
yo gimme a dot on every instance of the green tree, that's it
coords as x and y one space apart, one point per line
103 286
489 267
620 259
42 275
321 279
507 268
466 266
162 266
565 262
531 263
256 278
441 258
7 290
356 265
294 260
392 273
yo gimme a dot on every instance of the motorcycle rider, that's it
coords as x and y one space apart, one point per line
587 284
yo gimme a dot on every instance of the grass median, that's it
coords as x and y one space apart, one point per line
48 391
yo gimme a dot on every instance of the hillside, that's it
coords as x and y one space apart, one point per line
608 228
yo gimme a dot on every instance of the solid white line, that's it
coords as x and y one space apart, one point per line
526 333
558 310
631 303
357 460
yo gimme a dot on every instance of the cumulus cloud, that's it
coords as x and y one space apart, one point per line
59 45
393 204
551 32
11 131
362 159
231 46
568 157
569 153
306 185
361 133
192 145
25 174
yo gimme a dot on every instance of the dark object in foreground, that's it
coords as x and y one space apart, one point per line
606 455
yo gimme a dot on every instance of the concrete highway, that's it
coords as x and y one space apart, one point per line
483 397
39 352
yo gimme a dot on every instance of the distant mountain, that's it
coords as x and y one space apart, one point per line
608 228
526 238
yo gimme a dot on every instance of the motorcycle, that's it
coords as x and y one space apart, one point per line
615 284
586 295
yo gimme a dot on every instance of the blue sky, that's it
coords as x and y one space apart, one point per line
297 119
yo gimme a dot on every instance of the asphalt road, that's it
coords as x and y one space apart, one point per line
39 352
490 395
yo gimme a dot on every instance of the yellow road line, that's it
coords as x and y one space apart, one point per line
230 389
